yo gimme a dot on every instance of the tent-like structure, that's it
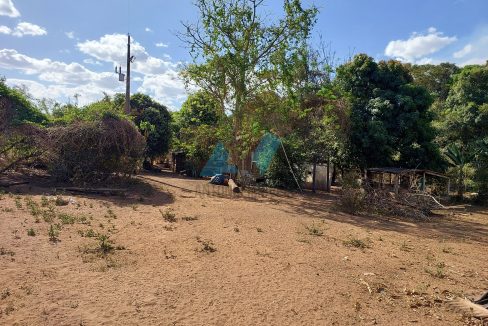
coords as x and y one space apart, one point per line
218 163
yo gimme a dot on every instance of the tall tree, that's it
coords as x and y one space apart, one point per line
464 121
390 117
234 49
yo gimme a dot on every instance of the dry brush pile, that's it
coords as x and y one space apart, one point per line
88 152
356 199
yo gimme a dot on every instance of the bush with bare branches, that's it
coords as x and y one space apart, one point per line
91 151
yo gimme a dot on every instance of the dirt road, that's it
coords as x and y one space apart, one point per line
259 258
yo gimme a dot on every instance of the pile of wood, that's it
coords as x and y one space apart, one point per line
404 204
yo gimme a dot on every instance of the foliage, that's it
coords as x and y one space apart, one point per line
199 108
154 121
437 79
279 174
463 125
197 128
235 50
390 117
18 107
91 151
21 135
69 113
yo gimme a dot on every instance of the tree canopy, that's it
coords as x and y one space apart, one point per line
390 117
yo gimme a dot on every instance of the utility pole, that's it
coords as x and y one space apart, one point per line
122 77
127 81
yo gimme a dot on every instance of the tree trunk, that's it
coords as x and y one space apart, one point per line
461 183
314 170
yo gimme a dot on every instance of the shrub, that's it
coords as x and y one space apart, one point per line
279 174
352 198
92 151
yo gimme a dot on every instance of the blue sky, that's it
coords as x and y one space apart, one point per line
59 48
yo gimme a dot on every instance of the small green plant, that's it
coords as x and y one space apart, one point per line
31 233
134 207
168 215
110 214
88 233
53 233
105 245
67 218
33 207
356 243
44 201
438 272
60 201
18 203
315 231
49 214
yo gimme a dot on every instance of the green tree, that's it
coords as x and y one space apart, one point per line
21 132
154 121
464 121
22 110
437 79
200 108
390 117
234 50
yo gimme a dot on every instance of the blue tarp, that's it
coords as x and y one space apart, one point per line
266 150
218 162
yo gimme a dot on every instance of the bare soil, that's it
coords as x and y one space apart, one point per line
257 258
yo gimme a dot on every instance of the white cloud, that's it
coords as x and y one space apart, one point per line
65 78
25 28
157 77
22 29
5 30
418 45
160 77
161 45
475 51
70 35
113 48
147 29
167 88
474 61
92 62
88 93
7 8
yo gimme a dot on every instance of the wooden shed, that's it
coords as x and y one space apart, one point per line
416 180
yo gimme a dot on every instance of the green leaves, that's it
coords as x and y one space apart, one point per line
390 118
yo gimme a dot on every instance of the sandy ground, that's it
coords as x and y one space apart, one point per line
275 258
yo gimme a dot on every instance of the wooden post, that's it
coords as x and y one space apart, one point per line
423 182
448 187
397 183
314 170
328 177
